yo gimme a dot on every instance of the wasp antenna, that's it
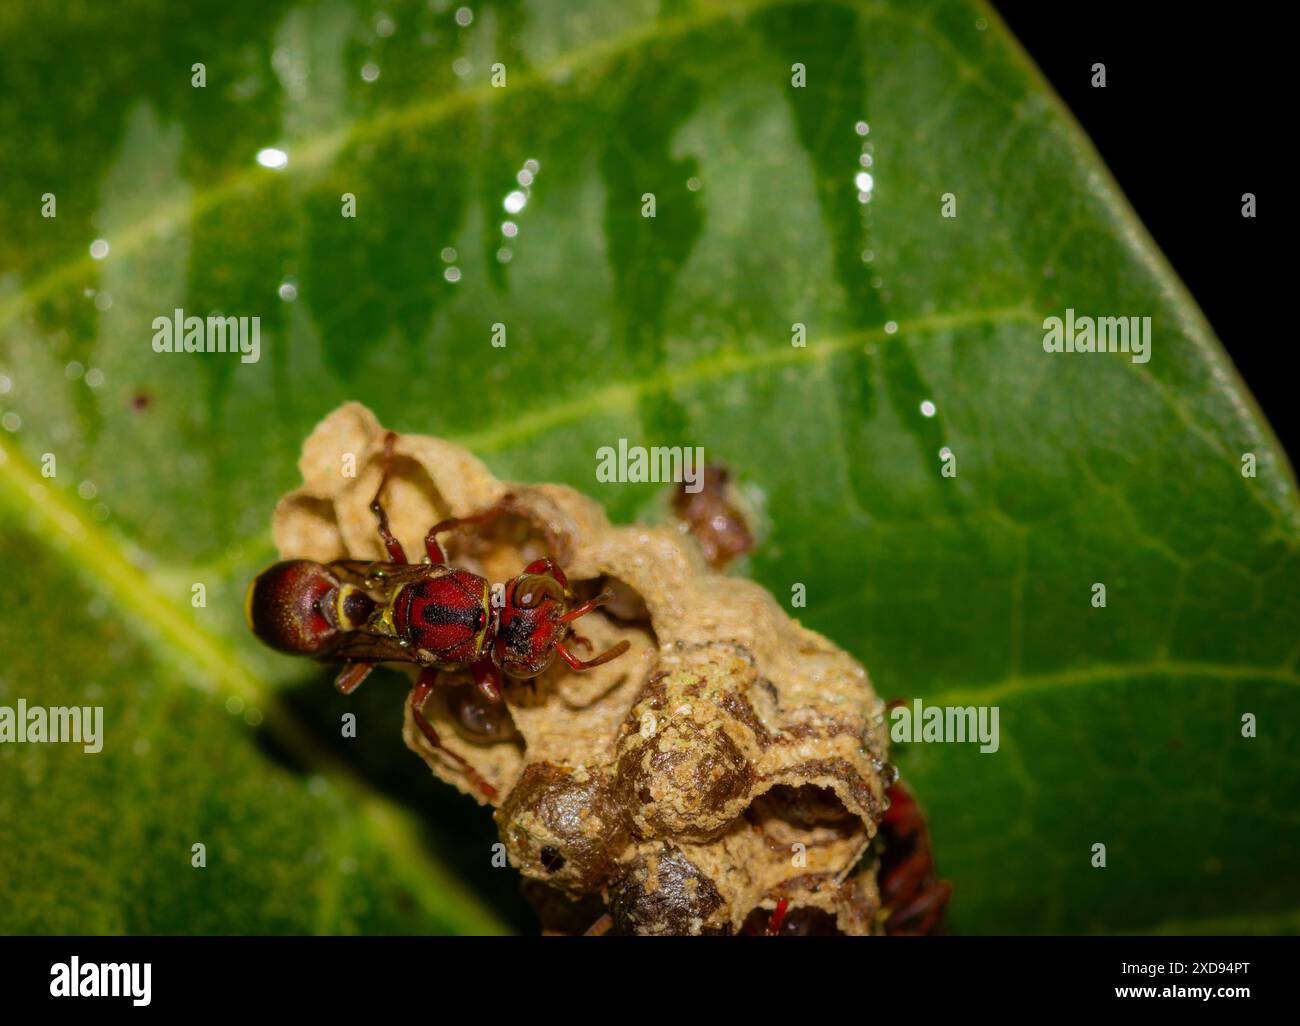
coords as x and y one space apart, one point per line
604 657
587 607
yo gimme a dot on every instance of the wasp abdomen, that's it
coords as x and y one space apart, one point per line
291 607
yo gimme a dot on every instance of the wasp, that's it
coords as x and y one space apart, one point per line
441 617
910 890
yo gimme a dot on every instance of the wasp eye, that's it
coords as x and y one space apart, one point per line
536 588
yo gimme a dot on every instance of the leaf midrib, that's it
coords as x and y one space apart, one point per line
619 394
1016 685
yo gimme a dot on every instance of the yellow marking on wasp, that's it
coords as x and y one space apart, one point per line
386 617
340 607
487 618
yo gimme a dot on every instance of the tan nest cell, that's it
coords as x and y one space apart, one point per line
730 759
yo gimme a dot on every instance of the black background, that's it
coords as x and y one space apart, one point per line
1194 113
760 980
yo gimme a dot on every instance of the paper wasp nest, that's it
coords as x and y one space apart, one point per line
730 759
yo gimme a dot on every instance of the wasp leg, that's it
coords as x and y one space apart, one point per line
908 888
431 545
778 917
419 695
487 678
396 554
600 927
920 916
506 504
899 882
351 676
578 639
587 664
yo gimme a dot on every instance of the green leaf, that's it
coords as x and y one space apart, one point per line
1119 725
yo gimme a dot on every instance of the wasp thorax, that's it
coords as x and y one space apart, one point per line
444 617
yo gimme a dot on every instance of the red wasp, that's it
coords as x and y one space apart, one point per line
441 617
909 888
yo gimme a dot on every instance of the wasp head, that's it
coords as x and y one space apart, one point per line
530 623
